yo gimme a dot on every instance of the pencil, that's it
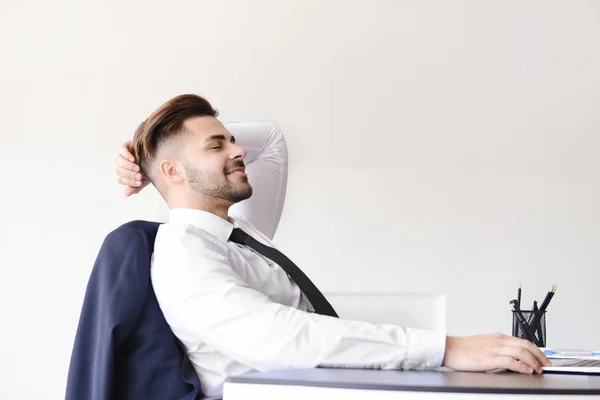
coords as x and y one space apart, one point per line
548 297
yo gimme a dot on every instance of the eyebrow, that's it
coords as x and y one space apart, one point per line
219 137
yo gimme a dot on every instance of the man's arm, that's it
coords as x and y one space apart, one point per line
267 168
476 353
266 165
203 299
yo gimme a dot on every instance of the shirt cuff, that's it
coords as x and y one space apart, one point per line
426 349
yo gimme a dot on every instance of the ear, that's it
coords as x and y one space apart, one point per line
172 171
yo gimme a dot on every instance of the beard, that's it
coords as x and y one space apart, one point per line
218 186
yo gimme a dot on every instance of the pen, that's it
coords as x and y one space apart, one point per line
537 327
537 320
532 313
519 295
524 326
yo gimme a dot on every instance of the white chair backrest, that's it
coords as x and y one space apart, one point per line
424 311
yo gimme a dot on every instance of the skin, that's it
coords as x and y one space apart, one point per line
200 174
202 169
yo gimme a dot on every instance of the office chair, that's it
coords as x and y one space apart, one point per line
124 348
423 311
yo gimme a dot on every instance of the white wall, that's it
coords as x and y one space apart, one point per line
435 146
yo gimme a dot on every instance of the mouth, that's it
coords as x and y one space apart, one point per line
237 172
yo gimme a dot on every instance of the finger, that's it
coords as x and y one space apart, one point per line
123 163
127 174
521 354
537 353
534 350
125 153
513 365
131 190
130 182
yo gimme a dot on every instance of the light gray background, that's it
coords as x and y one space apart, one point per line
435 147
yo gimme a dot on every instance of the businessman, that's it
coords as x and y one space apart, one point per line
233 299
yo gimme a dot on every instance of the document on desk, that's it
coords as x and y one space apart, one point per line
588 364
574 365
591 355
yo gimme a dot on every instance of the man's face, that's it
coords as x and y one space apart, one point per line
213 163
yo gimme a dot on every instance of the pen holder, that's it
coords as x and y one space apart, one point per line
536 321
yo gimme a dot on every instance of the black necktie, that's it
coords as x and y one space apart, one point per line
316 298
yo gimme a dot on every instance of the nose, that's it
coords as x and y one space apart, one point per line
237 152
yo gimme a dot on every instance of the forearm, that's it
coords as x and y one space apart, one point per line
255 137
267 169
297 339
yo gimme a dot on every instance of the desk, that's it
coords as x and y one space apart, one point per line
354 384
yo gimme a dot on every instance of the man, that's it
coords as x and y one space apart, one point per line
236 302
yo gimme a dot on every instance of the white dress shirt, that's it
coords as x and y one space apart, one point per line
237 311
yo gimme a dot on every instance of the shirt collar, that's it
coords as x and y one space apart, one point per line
204 220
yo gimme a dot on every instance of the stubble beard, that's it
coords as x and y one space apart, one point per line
213 185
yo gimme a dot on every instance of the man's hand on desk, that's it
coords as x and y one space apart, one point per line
488 352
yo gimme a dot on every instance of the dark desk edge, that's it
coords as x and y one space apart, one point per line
416 388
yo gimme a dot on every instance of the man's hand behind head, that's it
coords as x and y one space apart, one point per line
128 171
493 351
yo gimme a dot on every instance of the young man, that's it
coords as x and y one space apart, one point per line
236 302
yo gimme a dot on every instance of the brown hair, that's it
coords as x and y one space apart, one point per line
165 124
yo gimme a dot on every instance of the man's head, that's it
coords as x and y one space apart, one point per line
191 158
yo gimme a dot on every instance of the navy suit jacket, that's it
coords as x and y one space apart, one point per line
124 348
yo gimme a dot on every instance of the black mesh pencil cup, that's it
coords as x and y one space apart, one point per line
532 326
